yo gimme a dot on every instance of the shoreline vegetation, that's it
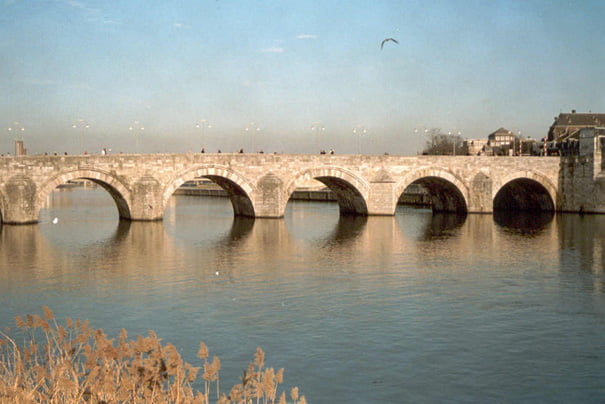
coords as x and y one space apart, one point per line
74 363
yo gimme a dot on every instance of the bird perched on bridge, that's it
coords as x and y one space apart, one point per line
386 40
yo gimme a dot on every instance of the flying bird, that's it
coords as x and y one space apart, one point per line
386 40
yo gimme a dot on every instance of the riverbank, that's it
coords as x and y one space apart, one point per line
416 197
321 195
216 191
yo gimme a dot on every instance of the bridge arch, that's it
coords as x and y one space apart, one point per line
351 190
114 186
525 190
236 185
448 193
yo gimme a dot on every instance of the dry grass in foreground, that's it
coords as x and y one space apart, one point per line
77 364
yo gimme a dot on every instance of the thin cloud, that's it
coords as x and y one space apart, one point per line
274 49
82 6
91 14
307 36
76 4
39 82
111 22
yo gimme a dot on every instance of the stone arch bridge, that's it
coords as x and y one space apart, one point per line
259 185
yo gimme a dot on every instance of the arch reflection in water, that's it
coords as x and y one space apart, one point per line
523 222
240 229
227 252
443 225
426 224
347 230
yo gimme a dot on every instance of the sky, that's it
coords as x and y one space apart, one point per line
173 76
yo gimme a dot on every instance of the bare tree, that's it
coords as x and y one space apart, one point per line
442 144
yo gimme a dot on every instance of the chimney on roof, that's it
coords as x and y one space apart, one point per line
573 111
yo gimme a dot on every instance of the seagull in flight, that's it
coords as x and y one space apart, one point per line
386 40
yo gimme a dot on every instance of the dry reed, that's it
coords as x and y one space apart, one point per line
74 363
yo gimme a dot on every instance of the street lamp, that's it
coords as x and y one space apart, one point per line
81 126
252 128
454 140
317 128
202 125
16 129
136 127
359 130
416 132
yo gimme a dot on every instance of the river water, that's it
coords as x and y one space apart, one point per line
415 308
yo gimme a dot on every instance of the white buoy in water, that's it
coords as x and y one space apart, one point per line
55 220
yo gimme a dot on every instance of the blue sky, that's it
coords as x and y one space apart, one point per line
467 66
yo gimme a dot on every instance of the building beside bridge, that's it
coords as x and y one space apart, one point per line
568 125
20 149
565 128
501 142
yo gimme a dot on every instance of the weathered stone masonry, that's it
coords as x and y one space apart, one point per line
259 185
582 175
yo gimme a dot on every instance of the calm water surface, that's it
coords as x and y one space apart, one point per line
416 308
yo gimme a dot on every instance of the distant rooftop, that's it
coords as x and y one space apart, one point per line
501 131
567 125
579 119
